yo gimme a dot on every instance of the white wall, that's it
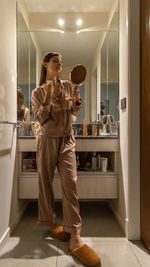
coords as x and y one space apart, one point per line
127 207
134 120
8 111
18 205
120 206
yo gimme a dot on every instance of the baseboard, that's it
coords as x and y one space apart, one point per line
4 238
119 219
18 216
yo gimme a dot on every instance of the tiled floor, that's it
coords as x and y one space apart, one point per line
32 245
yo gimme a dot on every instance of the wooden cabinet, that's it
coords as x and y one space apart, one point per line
90 184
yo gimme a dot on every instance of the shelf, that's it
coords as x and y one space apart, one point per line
90 185
79 174
102 144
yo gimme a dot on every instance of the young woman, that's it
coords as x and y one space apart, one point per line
55 111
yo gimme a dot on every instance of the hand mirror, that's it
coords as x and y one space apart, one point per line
77 74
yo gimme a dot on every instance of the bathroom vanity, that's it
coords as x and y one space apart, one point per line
90 184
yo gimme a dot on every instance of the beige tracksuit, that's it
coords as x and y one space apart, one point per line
54 150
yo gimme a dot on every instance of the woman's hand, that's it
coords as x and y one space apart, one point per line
76 93
48 91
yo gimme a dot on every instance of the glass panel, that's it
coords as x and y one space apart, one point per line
32 74
23 74
26 69
109 66
113 77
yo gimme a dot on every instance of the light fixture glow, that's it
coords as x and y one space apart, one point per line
61 22
62 32
79 22
77 32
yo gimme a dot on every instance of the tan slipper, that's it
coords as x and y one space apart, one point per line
86 255
60 234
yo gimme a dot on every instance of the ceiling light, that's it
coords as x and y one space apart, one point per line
79 22
62 32
77 32
61 22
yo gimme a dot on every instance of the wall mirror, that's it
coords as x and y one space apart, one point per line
109 66
26 69
95 47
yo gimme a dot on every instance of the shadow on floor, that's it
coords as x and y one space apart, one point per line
97 218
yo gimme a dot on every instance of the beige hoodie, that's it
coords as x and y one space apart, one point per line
56 118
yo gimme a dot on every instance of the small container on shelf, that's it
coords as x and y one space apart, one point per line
98 162
94 129
94 162
104 162
29 165
85 128
77 161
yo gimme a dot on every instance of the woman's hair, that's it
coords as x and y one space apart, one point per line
20 93
46 58
20 112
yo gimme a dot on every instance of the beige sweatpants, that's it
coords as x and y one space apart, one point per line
52 152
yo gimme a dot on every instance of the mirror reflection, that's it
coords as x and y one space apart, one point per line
97 50
109 88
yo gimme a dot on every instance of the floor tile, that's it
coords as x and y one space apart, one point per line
141 253
29 253
28 229
112 253
65 259
98 220
48 262
32 245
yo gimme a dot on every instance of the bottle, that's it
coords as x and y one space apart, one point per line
98 162
104 129
77 161
85 129
94 162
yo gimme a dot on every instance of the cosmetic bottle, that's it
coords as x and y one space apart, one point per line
77 161
94 162
85 129
98 162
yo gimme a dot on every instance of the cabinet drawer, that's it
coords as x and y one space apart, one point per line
88 186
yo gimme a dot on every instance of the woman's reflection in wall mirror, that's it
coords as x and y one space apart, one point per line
23 113
86 47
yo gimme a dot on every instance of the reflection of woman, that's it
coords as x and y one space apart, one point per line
56 147
23 113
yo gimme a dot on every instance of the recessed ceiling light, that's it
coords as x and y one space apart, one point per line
77 32
61 22
79 22
62 32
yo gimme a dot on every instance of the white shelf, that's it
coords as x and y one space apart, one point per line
26 145
89 185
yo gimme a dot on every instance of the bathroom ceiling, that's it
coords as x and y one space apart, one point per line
75 48
45 6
